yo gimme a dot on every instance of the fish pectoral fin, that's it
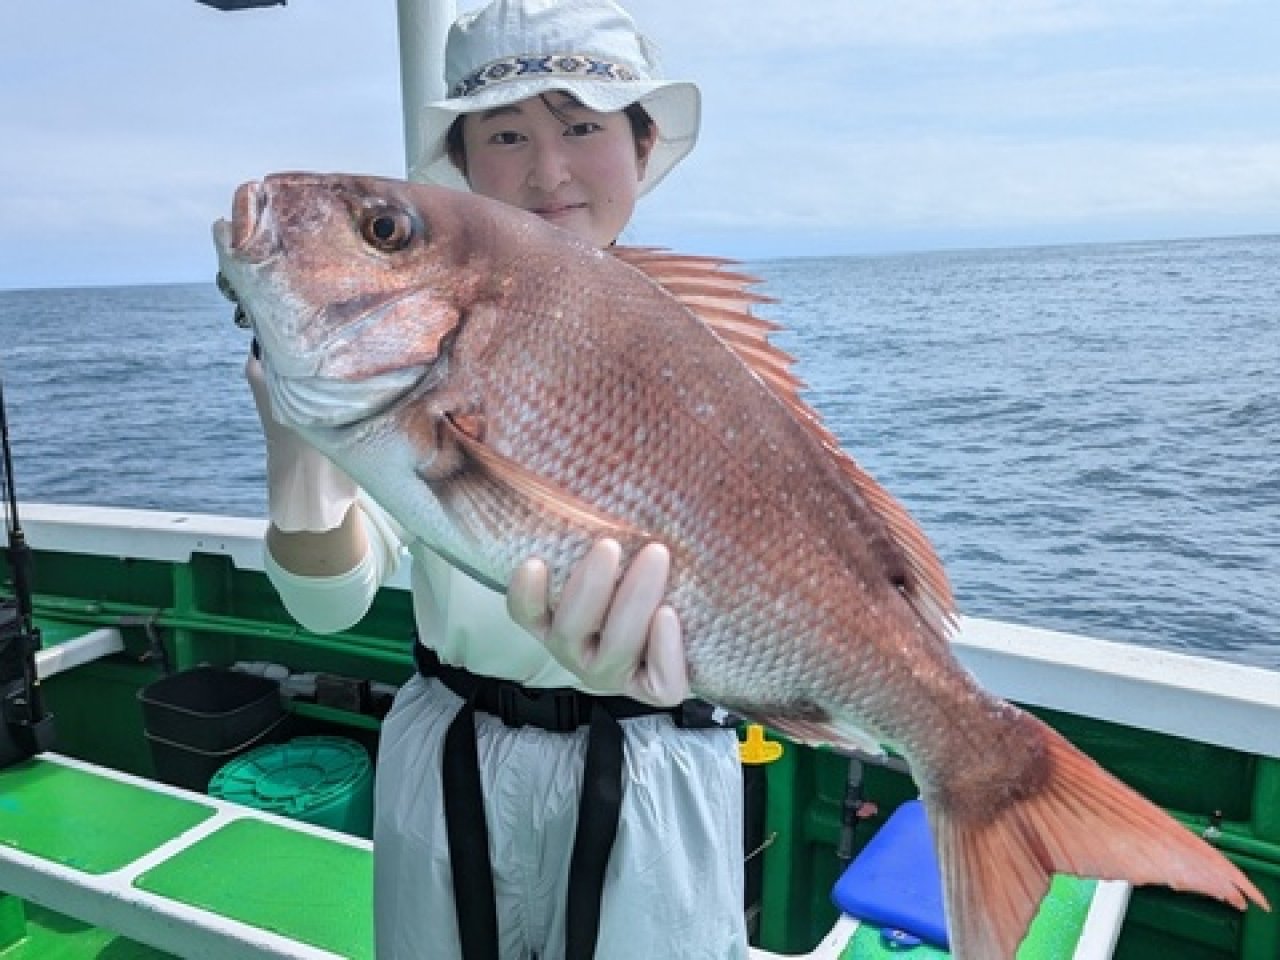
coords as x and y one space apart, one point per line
493 491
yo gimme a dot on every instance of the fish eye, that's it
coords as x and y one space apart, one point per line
387 229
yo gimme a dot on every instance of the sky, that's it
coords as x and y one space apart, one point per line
830 127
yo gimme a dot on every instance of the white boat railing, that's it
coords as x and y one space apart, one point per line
1202 699
1199 698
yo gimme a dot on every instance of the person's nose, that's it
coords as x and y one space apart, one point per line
550 166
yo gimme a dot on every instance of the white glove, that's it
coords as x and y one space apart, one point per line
305 491
617 641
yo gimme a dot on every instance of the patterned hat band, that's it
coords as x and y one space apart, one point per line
555 64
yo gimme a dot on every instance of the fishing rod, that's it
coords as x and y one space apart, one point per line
25 727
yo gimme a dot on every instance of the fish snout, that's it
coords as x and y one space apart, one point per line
244 245
252 235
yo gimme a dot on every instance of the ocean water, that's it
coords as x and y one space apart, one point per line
1089 434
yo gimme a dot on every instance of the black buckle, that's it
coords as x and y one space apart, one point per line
508 706
572 710
560 711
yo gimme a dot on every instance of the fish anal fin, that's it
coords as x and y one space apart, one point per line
998 859
808 723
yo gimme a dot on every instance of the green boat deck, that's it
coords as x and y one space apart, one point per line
96 862
181 872
189 874
85 820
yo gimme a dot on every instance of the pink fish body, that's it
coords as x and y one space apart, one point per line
507 391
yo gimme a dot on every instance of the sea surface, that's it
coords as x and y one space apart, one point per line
1089 434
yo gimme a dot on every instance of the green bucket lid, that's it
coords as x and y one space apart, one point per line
298 779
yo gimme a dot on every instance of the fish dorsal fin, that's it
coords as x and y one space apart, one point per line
722 299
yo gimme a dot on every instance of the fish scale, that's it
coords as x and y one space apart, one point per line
506 391
723 473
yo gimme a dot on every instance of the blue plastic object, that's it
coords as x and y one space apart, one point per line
895 883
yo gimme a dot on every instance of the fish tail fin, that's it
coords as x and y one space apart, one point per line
997 863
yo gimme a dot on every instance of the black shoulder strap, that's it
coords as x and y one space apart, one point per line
473 898
599 809
598 813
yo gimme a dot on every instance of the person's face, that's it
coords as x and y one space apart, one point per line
552 156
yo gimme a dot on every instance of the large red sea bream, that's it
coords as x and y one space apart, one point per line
506 391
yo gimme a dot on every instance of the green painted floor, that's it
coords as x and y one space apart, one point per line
300 886
86 821
1054 932
45 935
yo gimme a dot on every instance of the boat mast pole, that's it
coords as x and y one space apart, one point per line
424 26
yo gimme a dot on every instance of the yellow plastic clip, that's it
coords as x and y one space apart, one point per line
756 749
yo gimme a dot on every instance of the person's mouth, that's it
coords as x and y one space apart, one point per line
558 211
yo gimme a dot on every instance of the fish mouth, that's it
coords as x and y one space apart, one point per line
245 244
250 236
242 319
232 239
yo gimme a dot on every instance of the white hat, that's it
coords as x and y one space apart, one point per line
515 49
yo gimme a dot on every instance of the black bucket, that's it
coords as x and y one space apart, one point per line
199 719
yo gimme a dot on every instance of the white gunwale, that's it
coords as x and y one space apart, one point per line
1207 700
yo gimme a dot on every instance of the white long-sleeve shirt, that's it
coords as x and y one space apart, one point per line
465 622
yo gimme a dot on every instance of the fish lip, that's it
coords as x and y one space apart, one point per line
246 211
249 236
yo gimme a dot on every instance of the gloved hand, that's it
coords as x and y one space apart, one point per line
305 491
617 641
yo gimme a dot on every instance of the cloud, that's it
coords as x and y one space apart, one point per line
972 183
128 126
1038 120
931 25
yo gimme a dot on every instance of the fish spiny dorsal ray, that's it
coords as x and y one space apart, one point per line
722 299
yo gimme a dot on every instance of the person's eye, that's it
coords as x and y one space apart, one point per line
583 129
505 138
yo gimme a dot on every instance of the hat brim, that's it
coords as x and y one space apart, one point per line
676 110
